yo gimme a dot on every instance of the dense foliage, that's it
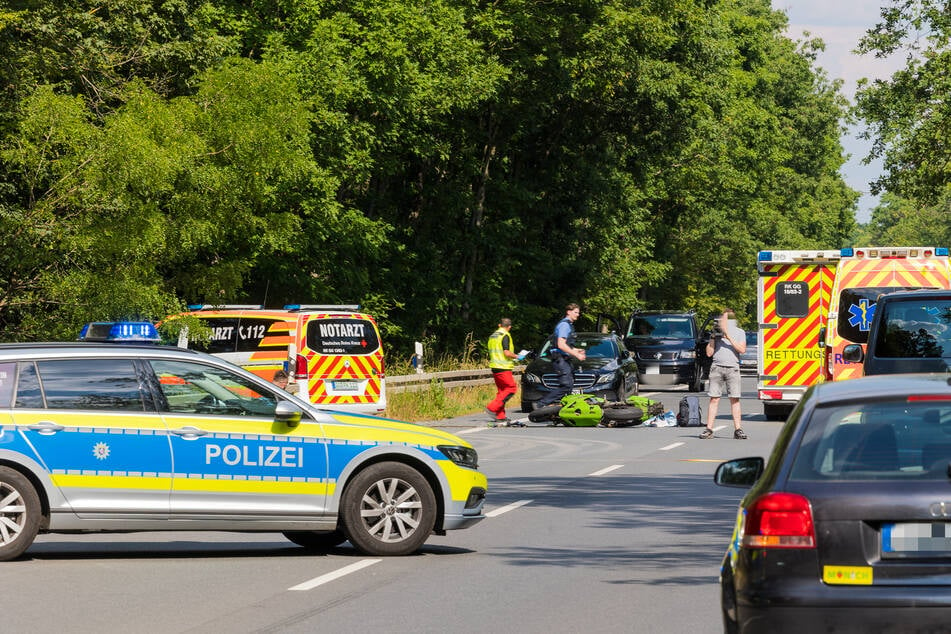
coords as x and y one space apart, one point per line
441 162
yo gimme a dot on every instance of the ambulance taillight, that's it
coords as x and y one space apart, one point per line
300 368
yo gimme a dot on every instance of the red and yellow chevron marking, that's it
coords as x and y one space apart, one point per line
323 369
790 352
879 273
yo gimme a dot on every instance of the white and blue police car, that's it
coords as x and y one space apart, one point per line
96 436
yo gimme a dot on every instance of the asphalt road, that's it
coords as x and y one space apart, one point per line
607 530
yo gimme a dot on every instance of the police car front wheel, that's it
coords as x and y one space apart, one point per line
388 509
19 513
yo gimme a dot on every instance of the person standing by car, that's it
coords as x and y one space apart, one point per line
724 348
502 359
562 347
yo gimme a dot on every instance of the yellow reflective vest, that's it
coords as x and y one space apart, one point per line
497 358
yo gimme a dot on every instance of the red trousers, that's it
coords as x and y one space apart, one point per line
505 383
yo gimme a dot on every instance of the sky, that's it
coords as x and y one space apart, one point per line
840 24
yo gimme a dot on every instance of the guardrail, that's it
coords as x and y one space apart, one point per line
451 379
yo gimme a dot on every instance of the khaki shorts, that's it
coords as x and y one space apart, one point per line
724 381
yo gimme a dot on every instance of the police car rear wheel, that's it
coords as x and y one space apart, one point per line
316 540
19 513
388 509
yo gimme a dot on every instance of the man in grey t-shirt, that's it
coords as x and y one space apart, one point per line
725 348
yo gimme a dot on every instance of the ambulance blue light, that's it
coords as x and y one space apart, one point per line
195 306
765 256
291 306
847 253
941 251
120 331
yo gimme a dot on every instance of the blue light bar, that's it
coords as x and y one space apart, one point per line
941 251
847 252
765 256
291 306
120 332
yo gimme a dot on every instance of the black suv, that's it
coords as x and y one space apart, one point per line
910 332
668 348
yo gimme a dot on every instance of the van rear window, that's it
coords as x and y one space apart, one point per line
342 336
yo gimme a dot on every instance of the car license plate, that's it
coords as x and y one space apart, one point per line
346 386
652 369
916 539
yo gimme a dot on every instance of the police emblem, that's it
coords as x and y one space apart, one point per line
100 450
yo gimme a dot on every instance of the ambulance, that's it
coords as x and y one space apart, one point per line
793 297
333 353
813 303
862 276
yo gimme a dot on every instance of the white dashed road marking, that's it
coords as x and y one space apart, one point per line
507 508
606 470
331 576
670 446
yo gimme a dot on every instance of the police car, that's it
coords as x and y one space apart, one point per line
143 437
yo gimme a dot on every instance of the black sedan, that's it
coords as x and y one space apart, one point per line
848 527
609 371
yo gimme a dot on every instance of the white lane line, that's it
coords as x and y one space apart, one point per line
471 430
507 508
606 470
719 428
330 576
670 446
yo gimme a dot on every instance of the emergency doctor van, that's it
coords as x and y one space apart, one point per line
333 353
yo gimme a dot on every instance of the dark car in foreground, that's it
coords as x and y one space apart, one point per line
848 526
608 371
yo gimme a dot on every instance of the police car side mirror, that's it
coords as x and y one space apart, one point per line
287 413
853 353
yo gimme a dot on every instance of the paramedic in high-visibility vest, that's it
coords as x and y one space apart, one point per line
725 347
502 359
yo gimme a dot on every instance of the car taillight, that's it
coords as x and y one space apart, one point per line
779 520
300 368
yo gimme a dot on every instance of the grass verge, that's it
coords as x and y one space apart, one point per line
436 402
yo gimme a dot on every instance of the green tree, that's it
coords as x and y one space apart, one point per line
909 114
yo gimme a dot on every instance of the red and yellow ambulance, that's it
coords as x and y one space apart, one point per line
794 293
812 303
333 353
863 274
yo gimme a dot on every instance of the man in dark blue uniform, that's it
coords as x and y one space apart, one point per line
562 347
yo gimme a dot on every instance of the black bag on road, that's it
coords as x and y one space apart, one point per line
689 414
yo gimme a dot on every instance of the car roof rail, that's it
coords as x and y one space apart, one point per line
225 307
339 307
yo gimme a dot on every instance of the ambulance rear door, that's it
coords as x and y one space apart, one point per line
864 274
793 294
341 362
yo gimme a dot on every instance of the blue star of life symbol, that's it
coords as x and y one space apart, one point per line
861 315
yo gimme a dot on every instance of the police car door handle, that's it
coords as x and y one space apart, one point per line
45 427
189 432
